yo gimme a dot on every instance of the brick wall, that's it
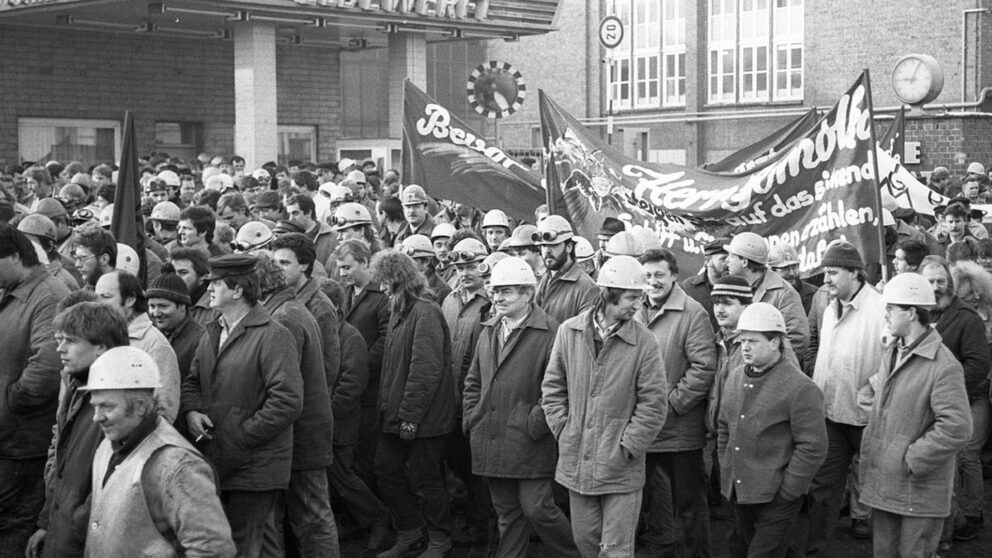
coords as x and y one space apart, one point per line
94 75
951 142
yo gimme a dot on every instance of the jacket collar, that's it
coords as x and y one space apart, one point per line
585 323
139 326
699 279
537 319
308 291
24 289
570 274
279 298
927 348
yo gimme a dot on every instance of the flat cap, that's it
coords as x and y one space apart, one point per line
230 265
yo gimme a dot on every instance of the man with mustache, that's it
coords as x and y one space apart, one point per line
565 290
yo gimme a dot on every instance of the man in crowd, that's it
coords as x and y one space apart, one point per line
29 380
389 211
699 285
908 256
611 227
191 266
591 419
521 245
731 295
153 493
196 230
565 290
95 254
845 351
268 206
919 422
495 228
517 457
168 308
420 249
675 510
747 257
165 219
241 398
782 259
301 211
123 291
770 436
418 221
83 332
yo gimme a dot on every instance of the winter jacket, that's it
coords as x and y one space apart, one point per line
145 336
29 365
604 409
323 310
465 324
405 231
698 288
325 241
963 332
184 341
567 293
252 390
920 420
688 349
775 291
314 429
503 417
771 434
416 384
352 379
368 311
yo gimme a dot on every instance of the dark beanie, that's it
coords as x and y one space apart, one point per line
611 226
169 286
842 254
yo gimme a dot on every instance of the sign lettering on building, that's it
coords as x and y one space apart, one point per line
450 9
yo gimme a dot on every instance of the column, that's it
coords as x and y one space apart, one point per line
407 60
696 83
255 107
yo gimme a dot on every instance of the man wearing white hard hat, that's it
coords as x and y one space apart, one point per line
565 290
585 256
516 456
783 259
165 219
415 211
919 421
496 228
354 221
770 436
122 290
605 398
419 248
153 492
747 257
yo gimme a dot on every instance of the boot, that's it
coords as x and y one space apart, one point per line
438 545
408 543
378 533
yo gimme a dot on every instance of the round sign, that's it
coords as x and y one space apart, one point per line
611 31
496 90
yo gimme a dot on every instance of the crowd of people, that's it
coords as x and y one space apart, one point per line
314 353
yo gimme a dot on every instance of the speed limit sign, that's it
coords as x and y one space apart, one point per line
611 31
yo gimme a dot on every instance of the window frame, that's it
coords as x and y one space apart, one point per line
95 123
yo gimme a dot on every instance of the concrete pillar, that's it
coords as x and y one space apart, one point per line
407 60
696 80
255 108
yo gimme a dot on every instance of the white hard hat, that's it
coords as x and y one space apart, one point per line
339 194
443 230
413 195
38 225
165 211
356 176
647 238
511 271
220 182
123 368
909 289
467 250
345 163
170 178
107 215
351 215
750 246
782 255
418 246
326 187
496 218
622 272
261 174
888 220
487 265
127 259
761 316
583 249
253 235
624 244
553 229
976 168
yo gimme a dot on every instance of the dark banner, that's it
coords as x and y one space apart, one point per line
894 140
452 161
127 224
821 188
763 151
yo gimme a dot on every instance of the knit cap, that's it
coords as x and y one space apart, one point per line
732 286
842 254
169 286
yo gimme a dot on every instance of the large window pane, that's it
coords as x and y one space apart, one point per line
87 141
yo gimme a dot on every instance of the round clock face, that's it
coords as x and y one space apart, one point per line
917 78
496 90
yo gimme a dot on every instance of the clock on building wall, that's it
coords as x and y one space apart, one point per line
917 79
496 90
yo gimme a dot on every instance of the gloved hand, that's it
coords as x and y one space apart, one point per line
408 431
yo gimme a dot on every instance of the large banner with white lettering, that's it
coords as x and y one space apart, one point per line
823 187
764 150
452 161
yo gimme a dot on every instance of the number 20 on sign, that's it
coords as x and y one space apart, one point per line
611 31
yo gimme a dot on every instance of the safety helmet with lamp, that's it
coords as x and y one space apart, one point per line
443 230
553 229
253 235
350 215
123 368
487 265
170 178
418 246
622 272
496 218
165 211
467 250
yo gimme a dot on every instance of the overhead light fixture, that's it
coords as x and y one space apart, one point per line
156 8
64 19
248 15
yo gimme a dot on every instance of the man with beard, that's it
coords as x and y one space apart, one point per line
95 253
565 290
463 311
962 331
190 265
782 259
714 267
168 308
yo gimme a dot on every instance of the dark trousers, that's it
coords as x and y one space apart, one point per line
22 495
827 488
675 512
368 440
411 483
362 504
763 530
247 512
458 458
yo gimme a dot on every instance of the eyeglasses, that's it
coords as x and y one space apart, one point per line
455 257
79 258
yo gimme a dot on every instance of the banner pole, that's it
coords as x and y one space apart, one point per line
875 179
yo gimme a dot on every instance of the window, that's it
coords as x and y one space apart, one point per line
61 139
647 69
297 143
755 50
179 139
365 94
